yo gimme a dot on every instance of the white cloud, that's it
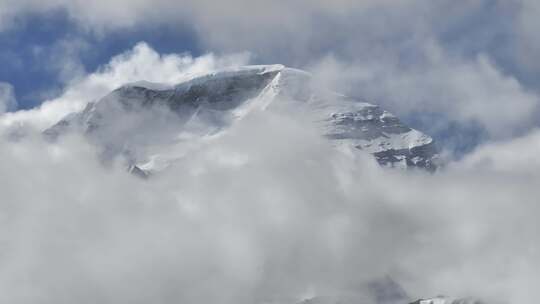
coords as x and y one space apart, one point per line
516 155
457 89
140 63
295 217
122 13
303 27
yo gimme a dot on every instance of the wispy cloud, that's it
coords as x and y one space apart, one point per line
7 97
140 63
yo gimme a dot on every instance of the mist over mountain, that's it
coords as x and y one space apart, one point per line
150 152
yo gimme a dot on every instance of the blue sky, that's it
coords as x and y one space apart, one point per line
30 47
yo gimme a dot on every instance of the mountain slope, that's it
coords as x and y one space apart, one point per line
143 120
446 300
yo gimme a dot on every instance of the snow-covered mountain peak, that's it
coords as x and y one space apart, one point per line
144 119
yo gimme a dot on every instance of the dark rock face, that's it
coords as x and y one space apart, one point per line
213 93
217 92
387 291
416 157
367 123
138 172
372 124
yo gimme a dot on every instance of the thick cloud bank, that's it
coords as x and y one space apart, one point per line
266 212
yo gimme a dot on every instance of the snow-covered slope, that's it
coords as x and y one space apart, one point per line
446 300
144 121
